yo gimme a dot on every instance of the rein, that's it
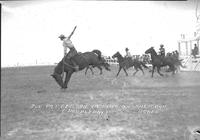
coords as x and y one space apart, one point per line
65 63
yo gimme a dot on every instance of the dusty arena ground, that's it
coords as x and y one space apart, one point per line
98 107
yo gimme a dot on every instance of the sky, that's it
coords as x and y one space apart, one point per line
30 29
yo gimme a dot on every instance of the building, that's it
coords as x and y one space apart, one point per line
186 46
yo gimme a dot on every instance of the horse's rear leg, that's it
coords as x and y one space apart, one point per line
119 70
135 72
86 70
90 70
125 71
100 69
158 70
141 69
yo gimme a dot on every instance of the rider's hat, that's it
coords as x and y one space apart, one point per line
161 45
61 36
126 49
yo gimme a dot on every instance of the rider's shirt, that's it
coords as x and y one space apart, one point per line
128 54
67 43
162 51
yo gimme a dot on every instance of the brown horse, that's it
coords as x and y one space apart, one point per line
125 63
158 61
83 60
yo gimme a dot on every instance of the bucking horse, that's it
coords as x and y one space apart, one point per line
83 60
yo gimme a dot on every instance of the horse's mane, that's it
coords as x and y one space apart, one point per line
154 51
120 55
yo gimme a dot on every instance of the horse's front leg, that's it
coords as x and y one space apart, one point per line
158 70
119 70
125 71
153 70
67 78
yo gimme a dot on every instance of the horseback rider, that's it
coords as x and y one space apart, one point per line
162 50
67 44
177 54
128 54
195 50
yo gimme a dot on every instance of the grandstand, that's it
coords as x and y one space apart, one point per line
186 47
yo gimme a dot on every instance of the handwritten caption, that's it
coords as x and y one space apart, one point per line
99 109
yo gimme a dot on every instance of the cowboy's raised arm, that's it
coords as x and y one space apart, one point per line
72 32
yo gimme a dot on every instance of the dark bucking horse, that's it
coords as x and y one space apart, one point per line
125 63
65 65
159 61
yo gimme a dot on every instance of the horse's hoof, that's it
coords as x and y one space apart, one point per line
64 87
53 75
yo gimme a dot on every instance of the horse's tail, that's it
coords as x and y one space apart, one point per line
106 66
145 66
98 52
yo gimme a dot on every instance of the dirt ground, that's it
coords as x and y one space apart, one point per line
98 107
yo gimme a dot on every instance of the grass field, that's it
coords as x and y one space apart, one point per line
98 107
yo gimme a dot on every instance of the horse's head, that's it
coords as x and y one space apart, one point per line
150 51
116 55
58 70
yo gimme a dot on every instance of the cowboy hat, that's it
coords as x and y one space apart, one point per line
61 36
126 49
